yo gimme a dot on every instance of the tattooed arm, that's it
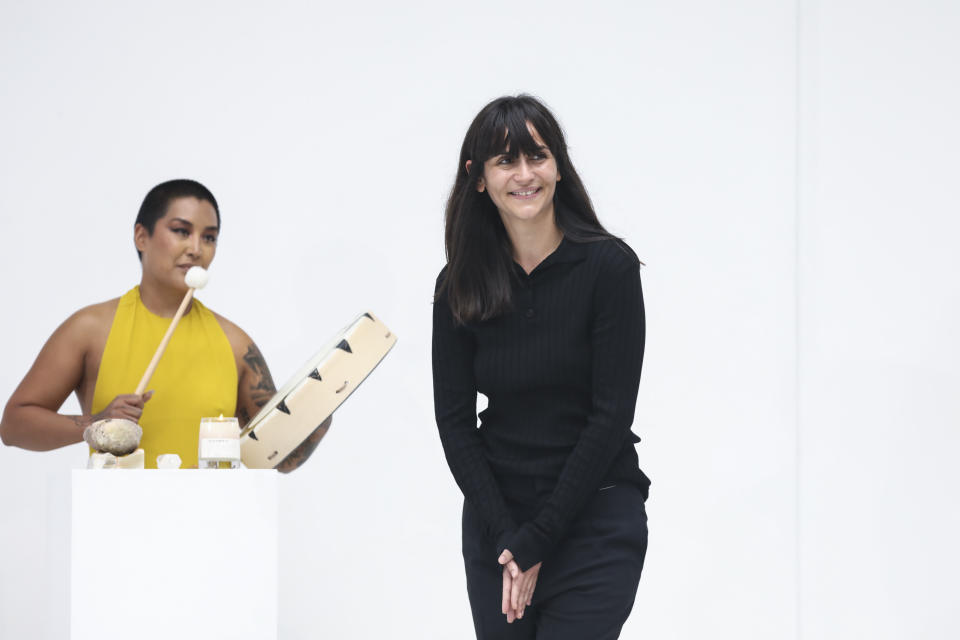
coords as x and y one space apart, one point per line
255 384
255 388
299 455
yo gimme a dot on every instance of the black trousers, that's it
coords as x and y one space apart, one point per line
587 586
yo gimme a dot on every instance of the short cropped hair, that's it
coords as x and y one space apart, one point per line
158 199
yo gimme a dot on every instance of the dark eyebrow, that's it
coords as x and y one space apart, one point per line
190 224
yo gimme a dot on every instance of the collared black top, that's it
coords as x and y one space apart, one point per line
560 372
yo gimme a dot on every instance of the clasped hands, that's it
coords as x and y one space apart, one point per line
517 586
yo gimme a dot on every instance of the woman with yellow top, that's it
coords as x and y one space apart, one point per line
211 366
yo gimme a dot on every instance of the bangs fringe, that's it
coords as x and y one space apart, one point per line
509 134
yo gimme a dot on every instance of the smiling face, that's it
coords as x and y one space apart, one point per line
522 185
184 237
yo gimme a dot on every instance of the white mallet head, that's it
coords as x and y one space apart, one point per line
196 277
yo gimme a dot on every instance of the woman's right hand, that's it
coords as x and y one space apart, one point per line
128 406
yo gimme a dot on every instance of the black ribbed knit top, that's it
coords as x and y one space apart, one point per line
560 372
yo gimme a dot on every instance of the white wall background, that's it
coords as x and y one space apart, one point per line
879 312
787 170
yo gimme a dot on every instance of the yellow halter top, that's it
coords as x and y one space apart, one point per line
196 377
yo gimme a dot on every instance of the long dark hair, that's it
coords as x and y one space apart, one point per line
479 253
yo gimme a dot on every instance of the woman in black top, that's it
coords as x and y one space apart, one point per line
540 309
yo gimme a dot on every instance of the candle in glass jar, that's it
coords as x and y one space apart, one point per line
219 443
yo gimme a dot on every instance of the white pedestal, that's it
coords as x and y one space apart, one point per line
174 554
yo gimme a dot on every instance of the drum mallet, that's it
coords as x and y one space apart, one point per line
196 278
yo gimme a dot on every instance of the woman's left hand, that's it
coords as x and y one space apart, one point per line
523 582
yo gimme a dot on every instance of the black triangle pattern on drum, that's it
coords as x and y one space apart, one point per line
315 374
253 436
282 406
345 346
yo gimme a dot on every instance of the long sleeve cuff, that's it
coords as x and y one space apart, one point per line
528 544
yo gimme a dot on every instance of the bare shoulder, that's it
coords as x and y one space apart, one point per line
91 322
250 362
239 341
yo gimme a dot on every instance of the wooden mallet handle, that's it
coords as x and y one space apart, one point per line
145 380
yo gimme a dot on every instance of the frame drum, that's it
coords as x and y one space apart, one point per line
314 393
